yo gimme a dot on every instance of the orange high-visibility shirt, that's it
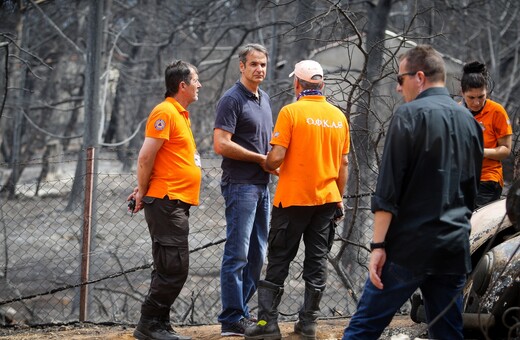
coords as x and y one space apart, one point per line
175 173
495 124
316 136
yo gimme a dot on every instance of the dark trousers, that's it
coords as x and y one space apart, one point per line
168 225
288 225
488 191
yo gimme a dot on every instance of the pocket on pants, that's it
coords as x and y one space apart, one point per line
169 257
332 233
278 231
401 274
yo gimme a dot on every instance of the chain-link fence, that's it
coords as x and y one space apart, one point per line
44 267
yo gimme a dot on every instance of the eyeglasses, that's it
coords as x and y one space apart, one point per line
400 77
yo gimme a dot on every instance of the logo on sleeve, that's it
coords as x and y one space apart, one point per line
159 125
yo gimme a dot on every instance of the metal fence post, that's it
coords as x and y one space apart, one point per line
85 250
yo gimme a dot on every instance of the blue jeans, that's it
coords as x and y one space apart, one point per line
376 307
247 217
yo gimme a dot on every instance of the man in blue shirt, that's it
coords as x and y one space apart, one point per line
425 195
242 131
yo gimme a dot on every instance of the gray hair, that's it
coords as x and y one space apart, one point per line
248 48
306 85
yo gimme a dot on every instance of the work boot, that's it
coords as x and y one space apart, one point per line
155 328
269 297
308 314
165 320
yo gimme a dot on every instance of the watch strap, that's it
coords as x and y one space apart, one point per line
377 245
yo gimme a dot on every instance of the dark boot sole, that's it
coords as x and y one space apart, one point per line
264 337
306 337
140 336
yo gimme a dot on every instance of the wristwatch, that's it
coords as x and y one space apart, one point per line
377 245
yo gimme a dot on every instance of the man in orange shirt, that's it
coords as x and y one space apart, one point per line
310 146
168 184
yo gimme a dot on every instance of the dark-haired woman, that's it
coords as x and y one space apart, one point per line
496 128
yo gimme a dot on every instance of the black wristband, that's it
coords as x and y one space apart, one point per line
377 245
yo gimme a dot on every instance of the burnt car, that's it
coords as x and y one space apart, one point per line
491 307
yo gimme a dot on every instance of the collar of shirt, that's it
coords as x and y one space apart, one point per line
433 91
309 93
248 93
178 107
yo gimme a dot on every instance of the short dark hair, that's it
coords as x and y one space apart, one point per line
176 72
248 48
306 85
474 76
425 58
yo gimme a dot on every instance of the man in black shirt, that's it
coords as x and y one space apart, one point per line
424 199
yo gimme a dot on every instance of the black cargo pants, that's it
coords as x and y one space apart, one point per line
288 225
168 225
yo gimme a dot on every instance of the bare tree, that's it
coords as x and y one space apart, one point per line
357 42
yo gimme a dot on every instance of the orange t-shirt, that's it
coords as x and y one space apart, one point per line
495 124
175 171
316 136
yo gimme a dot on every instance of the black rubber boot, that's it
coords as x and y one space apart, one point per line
269 297
155 328
306 324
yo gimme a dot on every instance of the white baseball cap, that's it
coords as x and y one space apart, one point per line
306 69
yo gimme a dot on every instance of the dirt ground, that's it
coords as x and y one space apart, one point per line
327 330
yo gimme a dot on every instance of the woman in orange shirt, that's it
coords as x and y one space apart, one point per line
496 128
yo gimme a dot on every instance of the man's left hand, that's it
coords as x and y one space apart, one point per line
377 261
